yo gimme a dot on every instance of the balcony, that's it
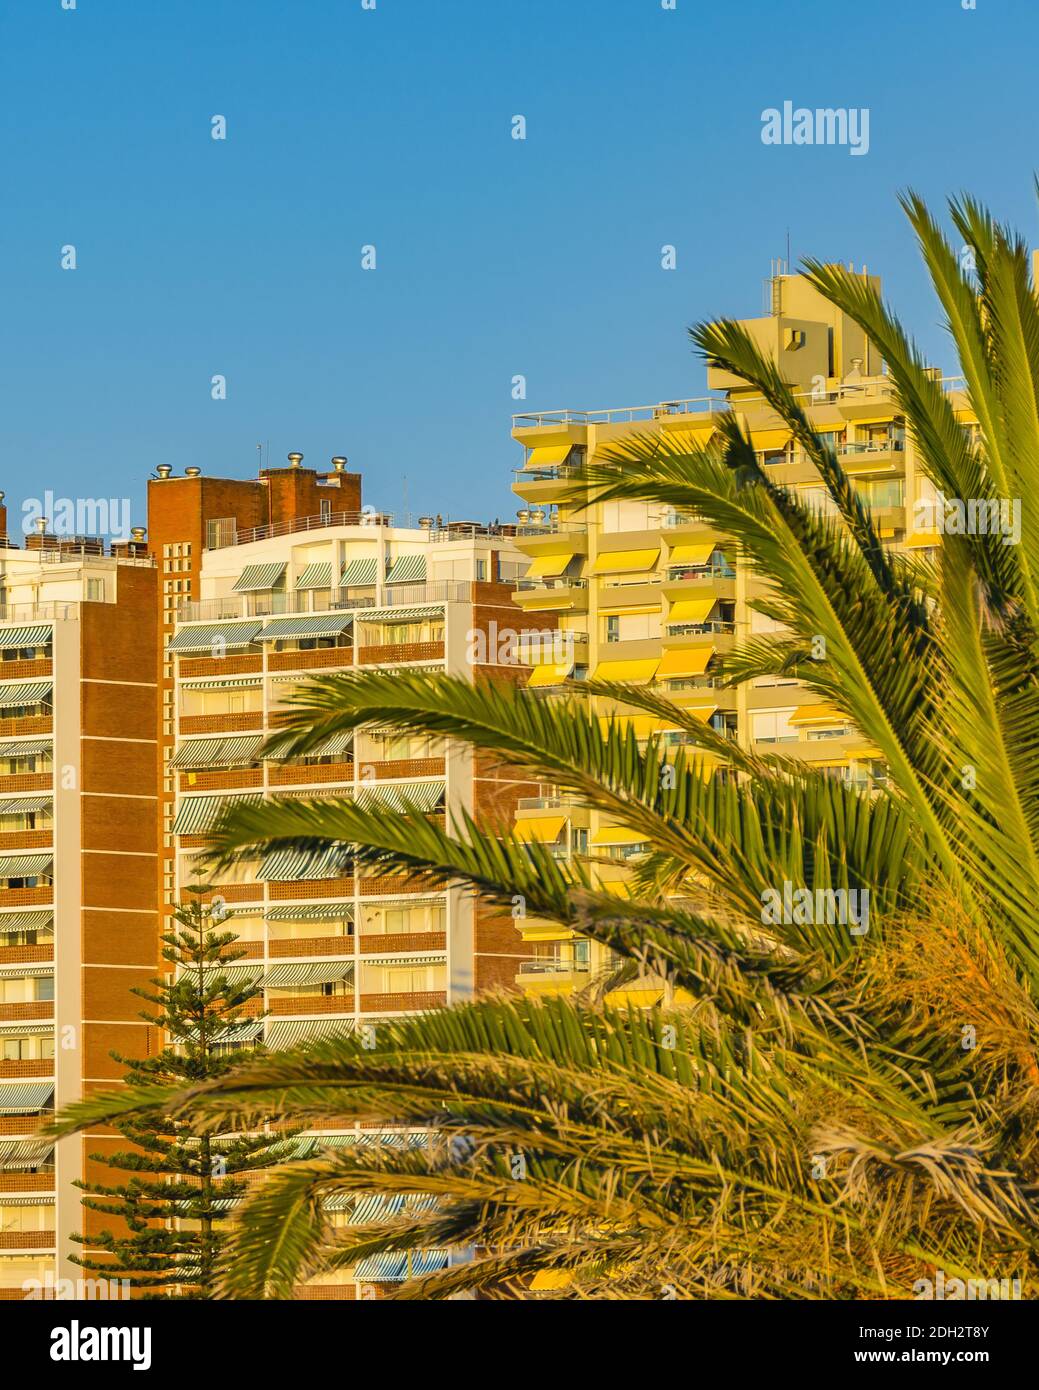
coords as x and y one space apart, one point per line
221 723
403 1003
26 1240
24 1126
27 782
557 595
380 944
24 1067
402 767
225 779
297 774
220 666
400 653
305 1004
27 839
315 659
235 893
26 670
27 1010
311 888
41 896
311 946
40 1181
26 955
27 724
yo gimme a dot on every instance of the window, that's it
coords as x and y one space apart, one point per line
613 628
773 726
628 516
220 531
632 627
481 569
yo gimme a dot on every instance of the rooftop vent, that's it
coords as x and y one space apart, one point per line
192 472
295 459
164 470
339 462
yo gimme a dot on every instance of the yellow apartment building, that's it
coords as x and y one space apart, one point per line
651 596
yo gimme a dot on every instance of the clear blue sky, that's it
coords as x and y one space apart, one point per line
495 256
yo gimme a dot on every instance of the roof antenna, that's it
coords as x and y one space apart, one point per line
788 250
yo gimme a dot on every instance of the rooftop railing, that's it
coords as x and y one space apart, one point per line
270 604
437 528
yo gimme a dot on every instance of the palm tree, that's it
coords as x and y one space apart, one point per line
832 1114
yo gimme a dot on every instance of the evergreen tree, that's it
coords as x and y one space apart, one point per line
176 1172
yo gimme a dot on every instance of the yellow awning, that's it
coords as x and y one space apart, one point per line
888 419
547 1279
637 672
613 601
549 456
549 673
626 561
864 463
817 714
643 724
544 931
549 566
617 888
691 610
692 554
919 539
684 661
688 439
544 830
771 439
617 835
702 712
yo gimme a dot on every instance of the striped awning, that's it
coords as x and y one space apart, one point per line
316 576
37 636
23 693
375 1206
422 796
12 1028
242 1030
216 752
383 961
309 912
214 637
28 1199
15 805
25 1097
282 1033
28 747
407 569
291 865
310 972
226 683
25 865
257 577
26 921
25 1153
391 1268
361 572
198 814
306 625
403 615
14 970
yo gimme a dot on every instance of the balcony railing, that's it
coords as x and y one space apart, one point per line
553 967
27 782
220 723
314 659
40 896
403 1003
290 601
295 774
312 946
40 1181
399 653
27 1010
381 943
25 1066
26 1240
26 955
304 1004
27 723
526 586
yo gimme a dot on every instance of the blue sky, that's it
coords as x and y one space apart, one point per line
495 257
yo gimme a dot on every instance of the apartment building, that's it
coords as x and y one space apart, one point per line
78 798
272 605
647 595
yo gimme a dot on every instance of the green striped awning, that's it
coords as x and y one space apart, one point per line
15 805
308 912
242 1030
25 1153
291 865
398 796
198 814
41 969
256 577
28 1199
316 576
215 752
239 973
283 1033
28 747
37 636
23 693
391 1267
26 921
362 572
214 637
306 973
402 615
408 569
25 865
25 1096
226 683
306 625
11 1028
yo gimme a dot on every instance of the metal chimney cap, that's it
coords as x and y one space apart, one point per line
2 496
339 462
193 472
295 459
138 533
426 522
164 470
41 525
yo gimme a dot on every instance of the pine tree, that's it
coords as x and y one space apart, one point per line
177 1173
